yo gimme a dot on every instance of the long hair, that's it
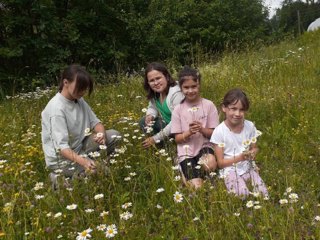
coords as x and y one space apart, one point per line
161 68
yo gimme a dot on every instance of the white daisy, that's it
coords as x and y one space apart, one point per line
38 197
99 134
38 186
177 197
85 234
126 205
159 190
111 231
283 201
104 213
101 227
103 147
98 196
72 207
89 210
87 132
126 215
221 145
249 204
177 178
57 215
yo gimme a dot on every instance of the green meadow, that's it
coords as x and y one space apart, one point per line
132 194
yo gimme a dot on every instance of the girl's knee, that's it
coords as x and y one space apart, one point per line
237 188
196 183
112 133
210 162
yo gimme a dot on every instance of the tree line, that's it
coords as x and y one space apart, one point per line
39 37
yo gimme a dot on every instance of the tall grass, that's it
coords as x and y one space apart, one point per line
282 82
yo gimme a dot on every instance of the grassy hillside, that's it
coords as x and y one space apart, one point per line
282 82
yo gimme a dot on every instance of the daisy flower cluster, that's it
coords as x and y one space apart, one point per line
81 211
291 197
109 231
253 204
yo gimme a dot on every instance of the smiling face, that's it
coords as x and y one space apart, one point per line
234 114
191 90
157 81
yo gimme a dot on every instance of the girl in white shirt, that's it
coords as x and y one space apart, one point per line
235 146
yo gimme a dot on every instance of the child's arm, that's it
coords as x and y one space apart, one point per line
206 132
194 128
183 137
87 164
226 162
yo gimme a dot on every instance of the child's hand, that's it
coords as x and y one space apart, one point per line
253 154
249 154
148 142
89 165
148 119
99 138
195 127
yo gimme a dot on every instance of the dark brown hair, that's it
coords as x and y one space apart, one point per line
235 95
188 72
161 68
80 75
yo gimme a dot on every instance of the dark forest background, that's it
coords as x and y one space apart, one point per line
38 38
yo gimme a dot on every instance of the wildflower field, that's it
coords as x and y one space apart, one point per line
140 194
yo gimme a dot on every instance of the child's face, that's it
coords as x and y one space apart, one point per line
157 81
234 113
191 90
70 90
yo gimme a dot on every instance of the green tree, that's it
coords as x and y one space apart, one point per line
38 38
297 15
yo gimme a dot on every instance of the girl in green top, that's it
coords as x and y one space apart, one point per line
163 94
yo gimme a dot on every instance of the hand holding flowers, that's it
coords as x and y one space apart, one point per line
250 154
195 127
89 165
149 119
251 149
100 138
